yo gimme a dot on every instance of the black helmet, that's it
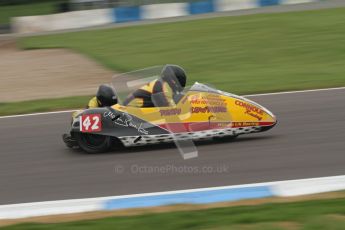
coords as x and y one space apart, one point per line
106 96
171 72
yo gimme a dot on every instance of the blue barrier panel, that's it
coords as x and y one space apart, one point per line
127 14
199 197
269 2
201 7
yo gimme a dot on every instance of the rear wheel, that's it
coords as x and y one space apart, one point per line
93 143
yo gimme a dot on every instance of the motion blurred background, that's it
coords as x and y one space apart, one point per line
66 48
55 53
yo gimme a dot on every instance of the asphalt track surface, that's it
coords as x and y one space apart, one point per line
307 142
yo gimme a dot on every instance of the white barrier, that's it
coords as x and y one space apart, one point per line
81 19
15 211
69 20
164 10
308 186
198 196
31 24
231 5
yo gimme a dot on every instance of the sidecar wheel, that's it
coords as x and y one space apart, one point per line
93 143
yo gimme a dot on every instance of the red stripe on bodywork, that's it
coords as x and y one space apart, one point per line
201 126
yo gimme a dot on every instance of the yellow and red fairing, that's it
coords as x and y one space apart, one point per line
199 111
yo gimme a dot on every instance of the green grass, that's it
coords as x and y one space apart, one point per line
43 105
245 54
6 12
307 215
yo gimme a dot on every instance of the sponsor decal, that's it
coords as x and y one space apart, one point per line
211 99
209 109
254 115
244 124
170 112
125 120
90 123
251 109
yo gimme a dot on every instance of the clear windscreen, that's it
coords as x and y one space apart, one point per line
125 84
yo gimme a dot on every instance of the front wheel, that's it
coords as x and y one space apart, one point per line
93 143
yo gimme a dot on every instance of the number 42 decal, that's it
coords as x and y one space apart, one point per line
90 123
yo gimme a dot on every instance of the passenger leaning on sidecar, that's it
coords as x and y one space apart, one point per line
105 97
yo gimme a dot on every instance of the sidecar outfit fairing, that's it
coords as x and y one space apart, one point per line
201 112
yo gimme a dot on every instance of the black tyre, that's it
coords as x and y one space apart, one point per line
93 143
225 139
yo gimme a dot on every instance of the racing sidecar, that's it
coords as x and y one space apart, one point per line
200 113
